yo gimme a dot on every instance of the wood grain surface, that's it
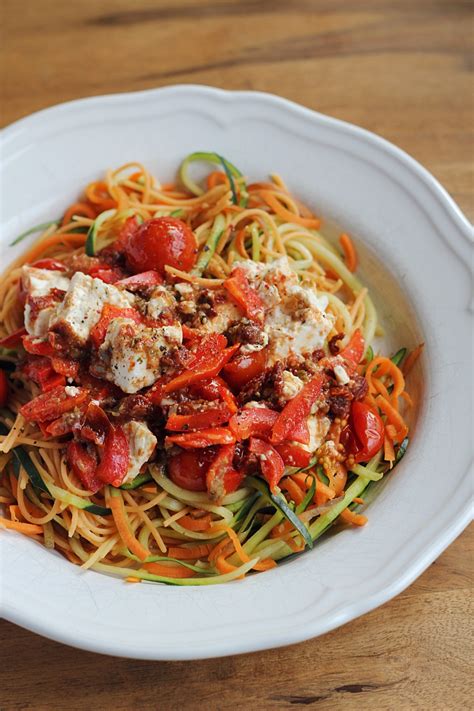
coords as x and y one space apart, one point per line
400 68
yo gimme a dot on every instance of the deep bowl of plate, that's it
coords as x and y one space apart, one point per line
415 249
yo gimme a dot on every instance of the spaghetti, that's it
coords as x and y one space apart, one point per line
238 474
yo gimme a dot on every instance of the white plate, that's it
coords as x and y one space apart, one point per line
409 222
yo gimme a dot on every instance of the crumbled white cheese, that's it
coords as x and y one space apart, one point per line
83 304
38 327
227 313
254 404
318 429
130 354
39 282
71 390
184 289
300 336
341 375
252 347
160 300
291 385
141 444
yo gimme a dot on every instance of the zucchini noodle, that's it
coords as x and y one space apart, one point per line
155 530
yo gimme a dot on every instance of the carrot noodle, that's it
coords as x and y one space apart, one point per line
350 254
411 359
159 528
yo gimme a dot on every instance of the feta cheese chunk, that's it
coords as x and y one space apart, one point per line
131 353
318 429
161 300
141 444
77 315
341 375
40 282
40 303
291 385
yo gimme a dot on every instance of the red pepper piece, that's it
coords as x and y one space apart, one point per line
215 389
210 356
14 339
199 420
141 281
271 463
296 411
52 264
221 473
52 404
293 455
203 438
253 421
65 366
109 314
354 351
84 466
242 293
37 347
39 369
115 457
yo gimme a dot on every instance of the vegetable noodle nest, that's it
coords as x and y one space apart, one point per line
189 387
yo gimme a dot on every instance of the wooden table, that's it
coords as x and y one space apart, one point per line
397 68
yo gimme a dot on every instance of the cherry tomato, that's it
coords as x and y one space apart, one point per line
188 468
244 367
3 388
159 242
367 430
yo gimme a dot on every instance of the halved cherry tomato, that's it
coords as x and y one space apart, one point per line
367 430
244 368
293 455
3 388
13 339
202 438
52 264
242 293
159 242
271 463
297 411
84 466
260 421
354 351
188 468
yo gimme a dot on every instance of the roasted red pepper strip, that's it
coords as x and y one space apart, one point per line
65 366
221 477
242 293
207 363
141 281
199 420
354 351
84 466
37 347
14 339
293 455
53 404
115 457
253 421
203 438
271 463
297 411
109 313
39 369
52 264
215 389
110 275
